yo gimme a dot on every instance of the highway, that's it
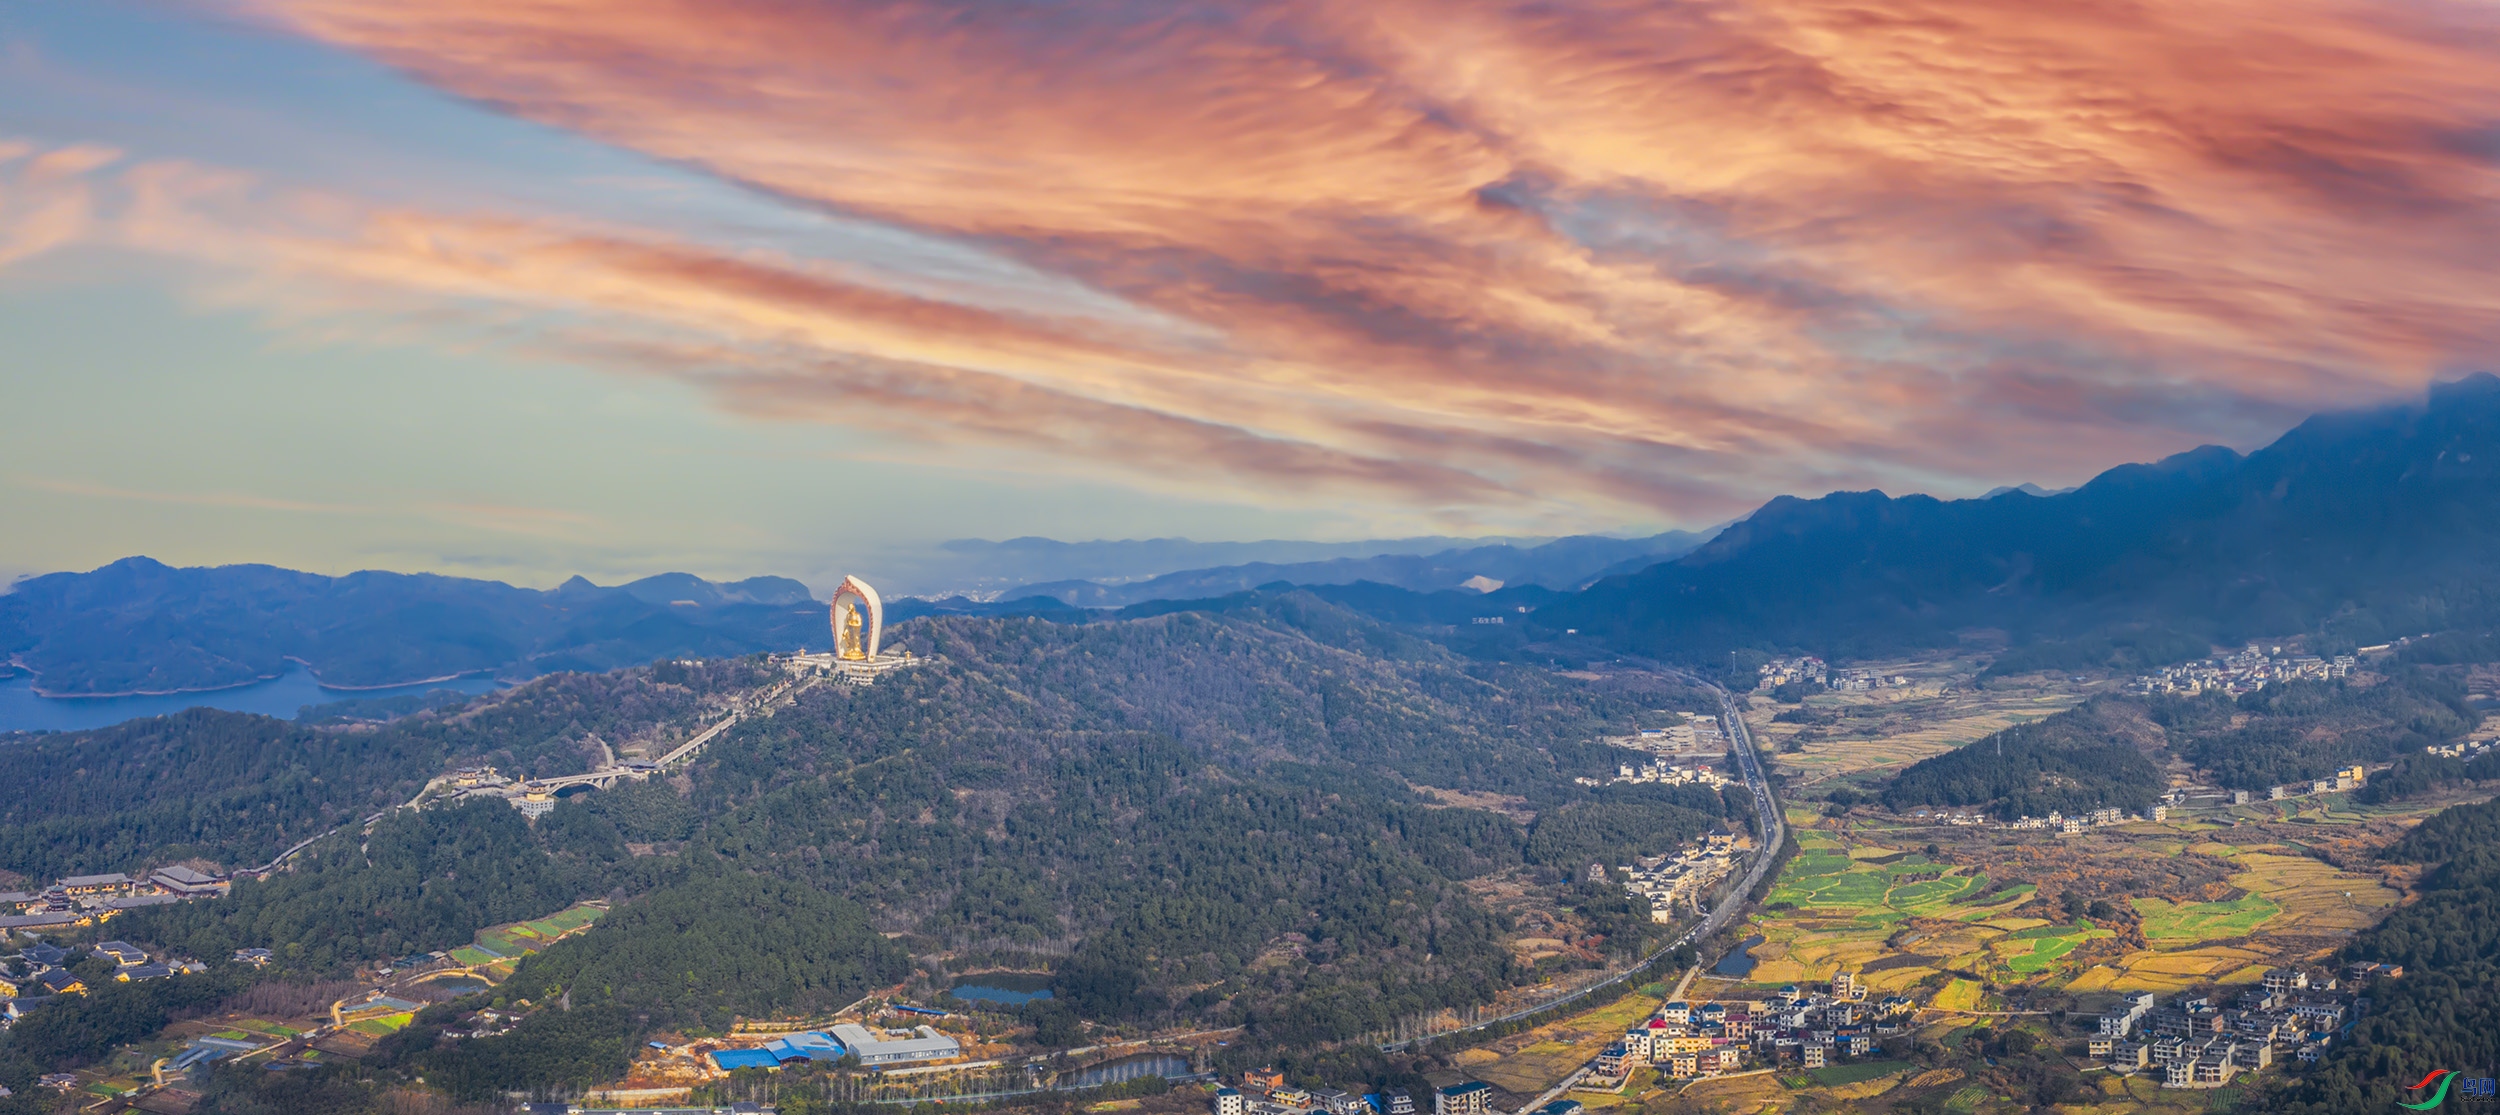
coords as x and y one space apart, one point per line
1774 827
1773 830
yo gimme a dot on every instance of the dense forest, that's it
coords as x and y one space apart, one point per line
2441 1013
422 880
1233 815
2082 759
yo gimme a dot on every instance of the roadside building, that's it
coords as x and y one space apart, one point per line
1472 1098
1228 1101
1397 1101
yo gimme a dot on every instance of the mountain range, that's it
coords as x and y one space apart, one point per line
2355 526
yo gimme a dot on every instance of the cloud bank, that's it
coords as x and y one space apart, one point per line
1527 263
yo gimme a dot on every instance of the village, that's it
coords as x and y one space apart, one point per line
2193 1043
2252 669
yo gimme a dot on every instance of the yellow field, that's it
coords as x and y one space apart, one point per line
2315 896
1925 719
1961 994
1531 1062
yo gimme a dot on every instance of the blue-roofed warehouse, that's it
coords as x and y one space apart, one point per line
780 1051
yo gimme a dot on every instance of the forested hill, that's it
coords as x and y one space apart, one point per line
2442 1013
1231 816
234 789
2102 754
2365 524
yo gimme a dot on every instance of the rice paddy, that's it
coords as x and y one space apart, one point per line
1961 994
2187 923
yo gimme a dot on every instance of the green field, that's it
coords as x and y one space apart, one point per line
1836 884
2165 923
519 939
1834 1076
384 1026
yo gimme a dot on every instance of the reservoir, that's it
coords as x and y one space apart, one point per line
21 710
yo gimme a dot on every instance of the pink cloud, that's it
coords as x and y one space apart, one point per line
1606 260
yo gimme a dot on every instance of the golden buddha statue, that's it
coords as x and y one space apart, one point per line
851 648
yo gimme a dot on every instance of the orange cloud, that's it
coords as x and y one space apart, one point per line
1597 260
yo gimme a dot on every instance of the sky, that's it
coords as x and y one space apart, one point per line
525 288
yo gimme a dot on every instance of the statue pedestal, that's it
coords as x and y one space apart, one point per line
864 671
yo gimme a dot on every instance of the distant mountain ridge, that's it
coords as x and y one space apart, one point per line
981 569
1564 563
139 625
2361 525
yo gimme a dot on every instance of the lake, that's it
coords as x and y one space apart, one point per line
22 710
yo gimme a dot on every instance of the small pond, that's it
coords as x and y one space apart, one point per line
1012 989
1739 963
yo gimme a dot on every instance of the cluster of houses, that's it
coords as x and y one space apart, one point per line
40 972
1810 1027
1812 671
2061 823
2246 672
1702 735
2462 749
2193 1043
1264 1092
1780 671
86 899
2347 778
1662 772
1681 881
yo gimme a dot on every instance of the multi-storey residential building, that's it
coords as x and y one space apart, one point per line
1472 1098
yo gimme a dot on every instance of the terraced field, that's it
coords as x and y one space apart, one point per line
1894 916
2188 923
2038 948
499 948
